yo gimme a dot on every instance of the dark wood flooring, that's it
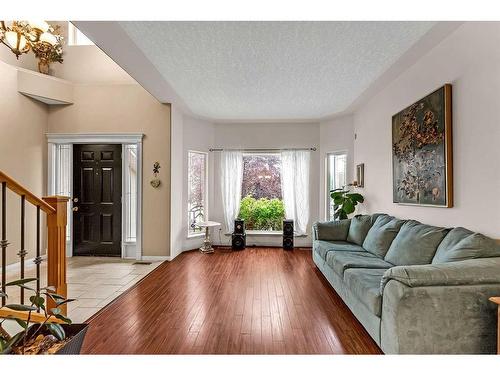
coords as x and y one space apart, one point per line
255 301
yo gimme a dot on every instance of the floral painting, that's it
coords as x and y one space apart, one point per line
421 151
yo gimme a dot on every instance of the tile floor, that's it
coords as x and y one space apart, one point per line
92 281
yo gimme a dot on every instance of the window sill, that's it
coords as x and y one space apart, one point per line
197 235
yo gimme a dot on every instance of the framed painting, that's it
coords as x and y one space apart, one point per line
422 155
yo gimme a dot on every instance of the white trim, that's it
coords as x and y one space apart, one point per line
55 139
156 258
86 138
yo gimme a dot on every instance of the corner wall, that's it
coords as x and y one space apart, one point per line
23 156
469 59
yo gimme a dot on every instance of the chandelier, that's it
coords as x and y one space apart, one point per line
38 36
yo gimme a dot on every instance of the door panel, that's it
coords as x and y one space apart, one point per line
97 186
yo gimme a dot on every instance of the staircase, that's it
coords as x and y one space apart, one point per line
55 210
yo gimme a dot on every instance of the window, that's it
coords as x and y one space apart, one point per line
76 37
130 163
261 204
197 190
336 164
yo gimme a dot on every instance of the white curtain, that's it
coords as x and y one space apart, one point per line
295 187
231 164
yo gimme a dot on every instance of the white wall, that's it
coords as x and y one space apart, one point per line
469 59
335 135
272 135
198 135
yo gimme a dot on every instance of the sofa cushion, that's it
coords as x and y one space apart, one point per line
415 243
333 230
462 244
339 261
360 225
381 234
365 285
323 247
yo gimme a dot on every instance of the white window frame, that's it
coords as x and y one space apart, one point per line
73 32
327 178
55 141
205 198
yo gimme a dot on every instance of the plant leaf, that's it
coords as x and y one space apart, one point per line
63 318
49 288
356 197
18 307
55 310
37 301
65 301
2 294
56 330
21 281
348 207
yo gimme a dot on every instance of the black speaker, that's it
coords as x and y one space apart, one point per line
238 241
239 226
288 234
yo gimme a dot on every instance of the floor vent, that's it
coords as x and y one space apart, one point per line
143 262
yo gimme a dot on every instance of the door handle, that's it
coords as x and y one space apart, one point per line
75 209
75 200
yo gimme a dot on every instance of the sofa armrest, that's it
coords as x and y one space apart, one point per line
465 272
331 230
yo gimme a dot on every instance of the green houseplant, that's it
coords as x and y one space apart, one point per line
48 337
345 202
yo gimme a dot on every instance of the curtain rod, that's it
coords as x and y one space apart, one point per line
261 149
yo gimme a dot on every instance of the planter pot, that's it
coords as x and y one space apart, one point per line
75 331
43 67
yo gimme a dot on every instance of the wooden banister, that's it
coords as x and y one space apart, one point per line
17 188
56 209
56 247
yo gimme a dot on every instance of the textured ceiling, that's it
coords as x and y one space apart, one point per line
272 70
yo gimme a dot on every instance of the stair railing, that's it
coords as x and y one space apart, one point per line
55 209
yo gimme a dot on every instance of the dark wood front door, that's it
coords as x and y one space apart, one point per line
97 206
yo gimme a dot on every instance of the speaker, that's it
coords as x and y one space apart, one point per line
288 234
239 226
238 241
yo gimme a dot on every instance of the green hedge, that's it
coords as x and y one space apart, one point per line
262 214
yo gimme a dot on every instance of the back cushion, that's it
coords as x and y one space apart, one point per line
360 225
462 244
333 230
415 244
381 234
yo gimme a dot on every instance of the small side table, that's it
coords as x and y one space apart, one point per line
497 301
207 244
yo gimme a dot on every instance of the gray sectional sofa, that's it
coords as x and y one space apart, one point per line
415 288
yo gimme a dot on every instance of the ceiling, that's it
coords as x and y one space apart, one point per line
272 70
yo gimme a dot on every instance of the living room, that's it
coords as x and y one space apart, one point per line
257 186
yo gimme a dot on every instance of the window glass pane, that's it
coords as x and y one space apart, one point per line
76 37
336 177
130 162
197 171
261 205
63 178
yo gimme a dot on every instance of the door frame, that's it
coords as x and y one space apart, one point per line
130 250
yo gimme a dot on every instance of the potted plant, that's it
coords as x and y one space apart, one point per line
54 335
345 202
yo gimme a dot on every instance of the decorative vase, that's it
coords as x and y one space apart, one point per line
43 67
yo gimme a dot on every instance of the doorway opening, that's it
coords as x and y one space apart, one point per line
102 174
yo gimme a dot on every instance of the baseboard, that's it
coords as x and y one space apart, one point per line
156 258
18 264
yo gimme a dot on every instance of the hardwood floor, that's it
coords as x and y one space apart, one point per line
255 301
